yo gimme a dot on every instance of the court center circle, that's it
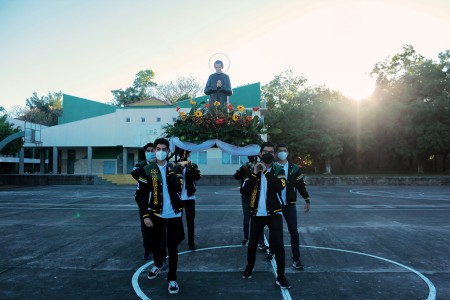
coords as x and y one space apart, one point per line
431 287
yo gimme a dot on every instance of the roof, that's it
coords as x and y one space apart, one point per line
76 108
153 101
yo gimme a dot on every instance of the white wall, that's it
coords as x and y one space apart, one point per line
111 129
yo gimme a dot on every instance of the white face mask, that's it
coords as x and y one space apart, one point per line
161 155
282 155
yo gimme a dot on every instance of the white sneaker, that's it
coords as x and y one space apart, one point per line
173 287
153 272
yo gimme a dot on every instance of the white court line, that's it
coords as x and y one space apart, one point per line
218 208
431 287
284 292
401 195
134 279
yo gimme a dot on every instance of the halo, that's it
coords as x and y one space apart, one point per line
219 56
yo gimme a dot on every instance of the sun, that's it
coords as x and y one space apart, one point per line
357 87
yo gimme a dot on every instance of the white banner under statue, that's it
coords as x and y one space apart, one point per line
249 150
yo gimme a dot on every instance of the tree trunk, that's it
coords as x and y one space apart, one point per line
316 169
420 167
328 166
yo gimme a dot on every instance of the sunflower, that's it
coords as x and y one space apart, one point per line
235 117
216 103
192 102
198 113
182 113
240 108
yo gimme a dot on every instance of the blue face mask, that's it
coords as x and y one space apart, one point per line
161 155
150 156
282 155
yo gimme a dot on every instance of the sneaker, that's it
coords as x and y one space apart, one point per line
244 242
297 264
282 282
262 246
247 273
173 287
269 256
192 247
154 272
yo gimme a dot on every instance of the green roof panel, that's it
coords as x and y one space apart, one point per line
75 109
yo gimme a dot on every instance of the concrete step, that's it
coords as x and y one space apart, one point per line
119 179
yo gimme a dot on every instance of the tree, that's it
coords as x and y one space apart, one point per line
124 97
183 88
7 129
143 88
144 84
417 90
401 128
284 88
43 110
305 116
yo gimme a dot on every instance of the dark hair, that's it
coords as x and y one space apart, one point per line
148 145
161 141
266 144
217 62
281 145
186 152
182 152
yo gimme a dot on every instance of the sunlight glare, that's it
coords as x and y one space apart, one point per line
357 88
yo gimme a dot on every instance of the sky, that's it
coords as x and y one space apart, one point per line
87 48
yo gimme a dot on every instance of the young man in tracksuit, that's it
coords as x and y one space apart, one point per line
135 173
191 174
158 196
264 187
294 182
243 174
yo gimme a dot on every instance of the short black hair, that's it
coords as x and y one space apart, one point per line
281 145
148 145
217 62
267 144
184 152
161 141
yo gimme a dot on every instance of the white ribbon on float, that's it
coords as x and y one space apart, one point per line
249 150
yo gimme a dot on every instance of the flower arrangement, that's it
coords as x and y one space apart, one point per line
233 125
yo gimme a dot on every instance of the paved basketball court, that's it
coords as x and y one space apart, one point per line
83 242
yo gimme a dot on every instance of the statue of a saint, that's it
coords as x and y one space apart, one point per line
218 87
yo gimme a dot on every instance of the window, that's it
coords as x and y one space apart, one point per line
127 120
199 157
142 119
228 159
158 119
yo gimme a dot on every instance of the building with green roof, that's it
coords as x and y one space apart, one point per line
98 138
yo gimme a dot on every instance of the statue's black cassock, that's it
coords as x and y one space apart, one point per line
218 93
